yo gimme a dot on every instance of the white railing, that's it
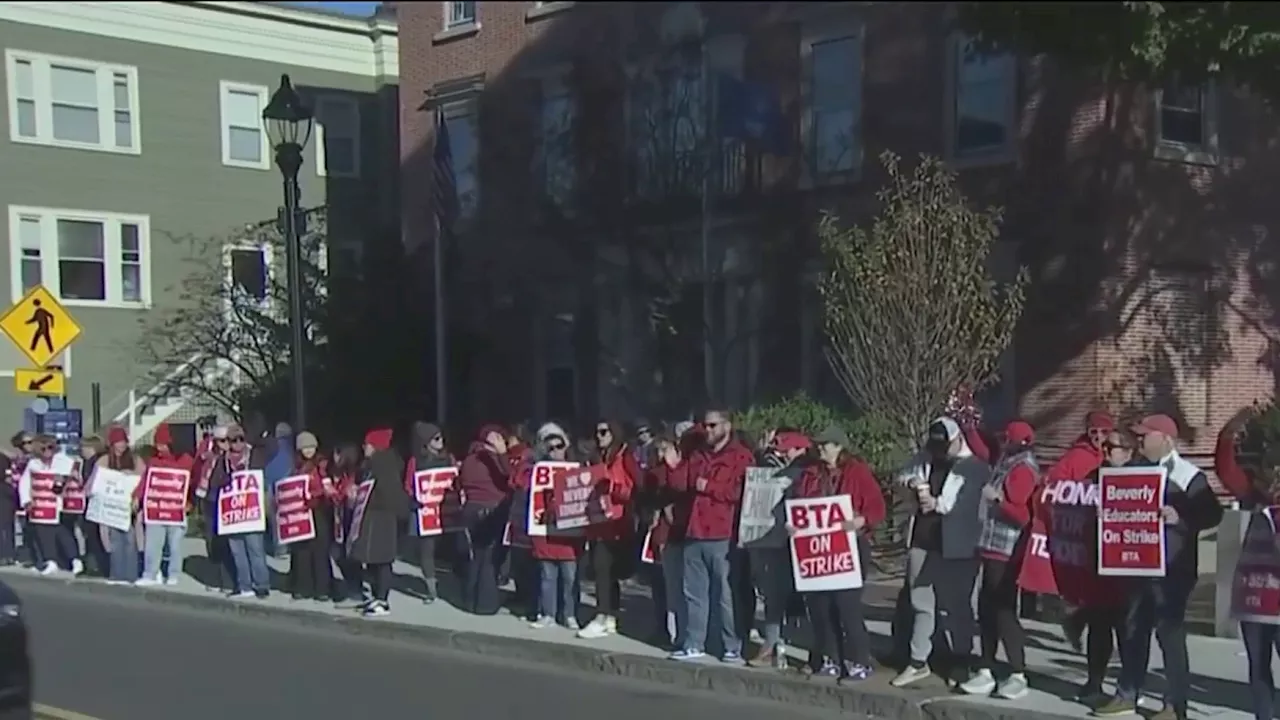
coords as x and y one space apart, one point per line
139 403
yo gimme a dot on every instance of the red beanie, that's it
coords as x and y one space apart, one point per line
116 434
162 435
379 438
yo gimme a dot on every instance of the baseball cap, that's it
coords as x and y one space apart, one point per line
1019 431
943 430
1162 424
1099 419
786 441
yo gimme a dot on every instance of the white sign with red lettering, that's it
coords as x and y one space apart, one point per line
241 506
824 556
429 488
542 482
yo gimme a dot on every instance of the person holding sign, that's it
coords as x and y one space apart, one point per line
610 539
39 490
1005 515
485 478
557 555
945 482
310 567
1189 508
842 647
429 452
236 477
163 497
121 544
374 535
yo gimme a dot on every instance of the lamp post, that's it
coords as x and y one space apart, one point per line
288 123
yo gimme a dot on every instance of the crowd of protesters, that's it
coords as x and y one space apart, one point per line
975 497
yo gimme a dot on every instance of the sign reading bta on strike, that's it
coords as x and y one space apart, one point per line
1130 523
824 556
41 329
241 504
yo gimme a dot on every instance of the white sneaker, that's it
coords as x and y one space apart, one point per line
980 683
911 675
146 582
611 624
242 595
543 622
77 567
377 609
595 629
572 624
172 581
1014 687
50 567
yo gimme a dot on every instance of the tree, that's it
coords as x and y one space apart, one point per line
225 335
1143 41
911 310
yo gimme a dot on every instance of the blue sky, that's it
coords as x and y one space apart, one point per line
362 9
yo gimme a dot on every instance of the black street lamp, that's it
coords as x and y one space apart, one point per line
288 122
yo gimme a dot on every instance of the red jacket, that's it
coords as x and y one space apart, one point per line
166 460
708 514
1233 477
1079 462
623 474
852 478
316 471
484 476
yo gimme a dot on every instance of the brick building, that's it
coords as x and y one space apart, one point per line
575 277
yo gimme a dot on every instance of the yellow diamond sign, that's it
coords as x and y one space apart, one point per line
39 326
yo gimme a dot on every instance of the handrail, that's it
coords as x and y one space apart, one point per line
135 399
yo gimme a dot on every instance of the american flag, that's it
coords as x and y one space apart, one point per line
446 186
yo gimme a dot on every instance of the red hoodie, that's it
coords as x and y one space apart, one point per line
316 470
484 476
854 479
166 459
709 513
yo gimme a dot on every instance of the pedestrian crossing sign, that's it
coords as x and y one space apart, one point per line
39 326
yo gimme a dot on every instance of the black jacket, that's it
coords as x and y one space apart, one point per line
1198 510
376 541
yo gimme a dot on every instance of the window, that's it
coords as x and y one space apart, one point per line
667 130
249 272
457 14
338 137
1186 122
464 149
557 156
244 141
835 99
985 96
82 257
65 102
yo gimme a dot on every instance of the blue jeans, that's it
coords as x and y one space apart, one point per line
124 555
558 582
706 577
677 625
156 537
251 562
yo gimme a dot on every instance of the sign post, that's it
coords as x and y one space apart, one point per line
41 329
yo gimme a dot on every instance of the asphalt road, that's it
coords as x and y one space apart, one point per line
122 659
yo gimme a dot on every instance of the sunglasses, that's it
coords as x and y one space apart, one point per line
712 425
601 432
27 441
555 446
437 439
237 441
1098 432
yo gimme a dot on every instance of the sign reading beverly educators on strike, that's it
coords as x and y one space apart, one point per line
1130 526
542 482
164 496
241 504
44 507
295 521
74 501
429 488
824 556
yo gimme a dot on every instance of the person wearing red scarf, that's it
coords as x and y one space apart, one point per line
157 537
310 571
485 478
345 470
252 577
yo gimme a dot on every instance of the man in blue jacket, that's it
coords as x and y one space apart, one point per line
278 467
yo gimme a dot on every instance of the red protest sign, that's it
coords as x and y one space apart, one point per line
74 501
1255 590
241 504
295 520
44 501
429 489
581 498
542 483
363 491
164 496
824 556
1130 526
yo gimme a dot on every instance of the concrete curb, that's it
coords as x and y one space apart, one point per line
871 699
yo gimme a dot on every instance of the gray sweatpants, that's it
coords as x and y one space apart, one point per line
941 599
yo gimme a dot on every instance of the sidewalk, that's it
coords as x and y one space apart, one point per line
1219 686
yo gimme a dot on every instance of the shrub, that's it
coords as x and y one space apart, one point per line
872 437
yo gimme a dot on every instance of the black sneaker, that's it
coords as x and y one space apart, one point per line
262 594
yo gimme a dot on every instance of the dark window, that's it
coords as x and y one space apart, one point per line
249 272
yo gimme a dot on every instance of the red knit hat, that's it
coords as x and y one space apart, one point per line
379 438
162 435
117 434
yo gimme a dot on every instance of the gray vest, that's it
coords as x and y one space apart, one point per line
999 535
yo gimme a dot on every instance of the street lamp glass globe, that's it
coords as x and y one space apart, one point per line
288 121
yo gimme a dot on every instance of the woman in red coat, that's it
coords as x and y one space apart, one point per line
839 627
556 555
610 540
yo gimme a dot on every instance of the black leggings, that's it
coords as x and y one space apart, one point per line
605 557
998 615
380 580
310 571
1104 626
839 628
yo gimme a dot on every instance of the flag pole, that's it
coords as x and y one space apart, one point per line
708 354
437 252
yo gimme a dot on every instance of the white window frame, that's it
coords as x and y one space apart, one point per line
451 24
322 161
267 252
816 33
112 252
982 156
1207 153
225 88
105 74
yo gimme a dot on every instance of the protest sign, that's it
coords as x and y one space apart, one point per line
241 504
363 491
429 489
295 520
824 556
760 523
647 555
45 504
73 498
1255 591
164 496
1130 526
111 503
542 482
581 498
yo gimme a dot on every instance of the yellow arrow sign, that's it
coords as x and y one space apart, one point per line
39 326
40 382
